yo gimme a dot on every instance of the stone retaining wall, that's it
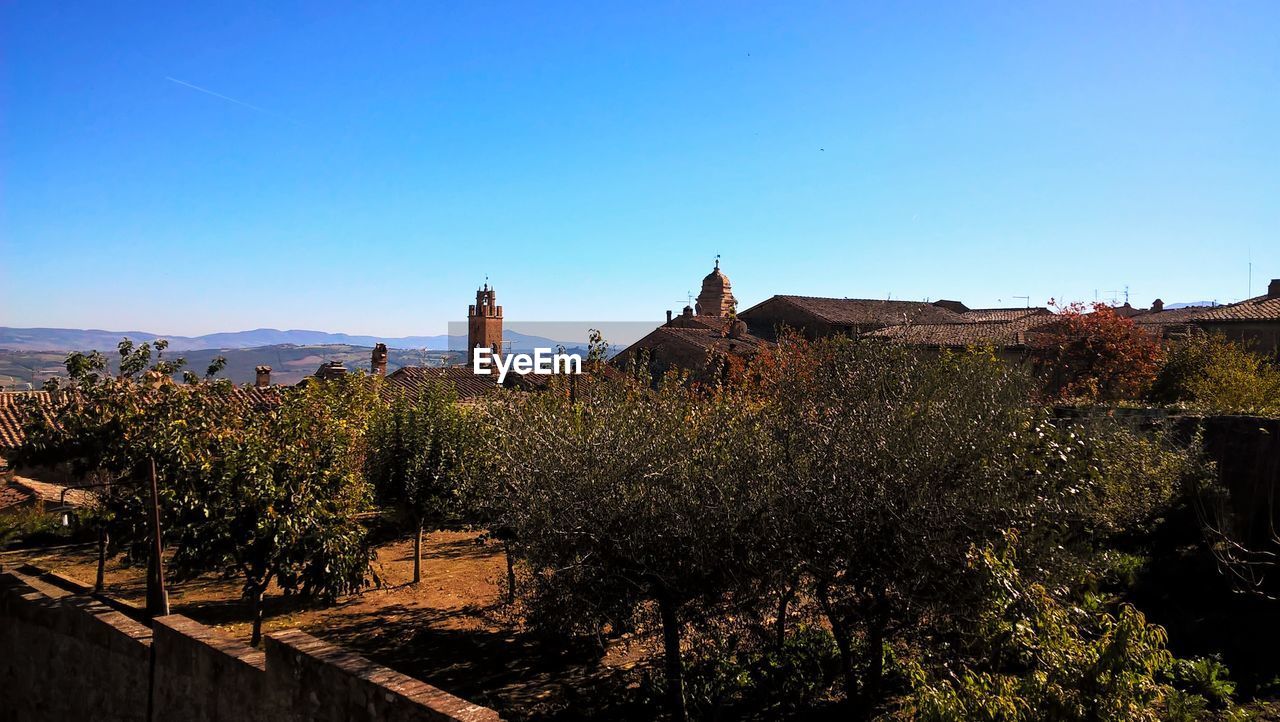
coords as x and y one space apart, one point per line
66 655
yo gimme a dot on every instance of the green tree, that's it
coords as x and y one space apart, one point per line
110 428
282 499
898 461
419 445
273 494
624 499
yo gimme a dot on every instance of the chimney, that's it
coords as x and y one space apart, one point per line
688 312
1157 305
668 315
378 360
264 377
1273 290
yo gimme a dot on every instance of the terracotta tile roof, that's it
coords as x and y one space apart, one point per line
1171 317
467 384
715 339
11 495
11 405
1003 314
1000 334
867 312
258 397
1260 308
11 416
1128 311
716 323
52 494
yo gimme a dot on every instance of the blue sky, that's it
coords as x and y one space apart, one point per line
367 167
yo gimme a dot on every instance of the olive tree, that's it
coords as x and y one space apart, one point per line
900 461
623 499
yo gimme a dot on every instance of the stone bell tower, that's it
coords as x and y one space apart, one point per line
484 323
716 298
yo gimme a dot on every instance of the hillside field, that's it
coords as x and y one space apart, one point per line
290 363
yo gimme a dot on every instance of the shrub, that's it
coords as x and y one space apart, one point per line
1206 677
31 524
1182 706
1037 657
725 678
1216 374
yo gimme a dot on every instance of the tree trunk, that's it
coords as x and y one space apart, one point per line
511 572
157 597
417 553
879 621
780 624
103 540
672 665
844 644
259 591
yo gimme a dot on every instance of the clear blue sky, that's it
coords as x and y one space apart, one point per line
367 167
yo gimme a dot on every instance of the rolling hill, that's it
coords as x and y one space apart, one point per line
69 339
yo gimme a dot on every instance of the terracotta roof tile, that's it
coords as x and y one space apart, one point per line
259 397
11 406
11 414
1001 334
467 384
11 495
52 493
1004 314
1171 317
1260 308
715 340
717 323
868 312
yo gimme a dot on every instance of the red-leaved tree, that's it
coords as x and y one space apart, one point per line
1095 354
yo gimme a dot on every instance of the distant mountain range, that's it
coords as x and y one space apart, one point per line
69 339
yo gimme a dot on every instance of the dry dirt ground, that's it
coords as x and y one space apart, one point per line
453 630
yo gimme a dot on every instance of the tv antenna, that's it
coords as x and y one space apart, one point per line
1026 299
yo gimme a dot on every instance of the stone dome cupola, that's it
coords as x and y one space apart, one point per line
716 298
